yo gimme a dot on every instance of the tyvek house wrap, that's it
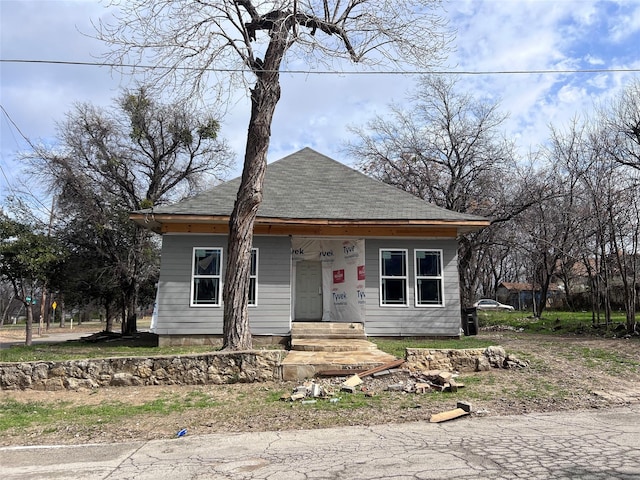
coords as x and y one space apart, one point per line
343 275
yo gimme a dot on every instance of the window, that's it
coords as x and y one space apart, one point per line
428 277
207 276
253 278
393 277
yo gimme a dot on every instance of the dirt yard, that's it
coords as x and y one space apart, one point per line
565 373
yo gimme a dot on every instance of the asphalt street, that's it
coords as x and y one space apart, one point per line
587 445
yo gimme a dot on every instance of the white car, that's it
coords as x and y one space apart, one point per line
488 304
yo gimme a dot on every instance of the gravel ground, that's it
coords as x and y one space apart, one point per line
564 373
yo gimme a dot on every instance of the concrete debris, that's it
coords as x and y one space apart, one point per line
396 387
308 390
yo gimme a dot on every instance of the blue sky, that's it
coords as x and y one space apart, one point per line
315 111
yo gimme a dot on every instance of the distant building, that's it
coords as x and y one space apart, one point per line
521 295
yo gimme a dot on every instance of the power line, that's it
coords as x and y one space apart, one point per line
334 72
2 170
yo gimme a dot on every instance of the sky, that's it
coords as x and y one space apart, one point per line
317 110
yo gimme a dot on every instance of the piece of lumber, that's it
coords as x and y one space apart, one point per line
448 415
353 381
386 366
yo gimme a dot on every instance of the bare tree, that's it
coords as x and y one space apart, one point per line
250 40
111 161
448 150
622 122
618 142
554 223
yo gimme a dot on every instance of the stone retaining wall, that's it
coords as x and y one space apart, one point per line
463 360
214 368
211 368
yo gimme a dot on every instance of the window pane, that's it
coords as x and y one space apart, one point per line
393 264
207 262
393 291
206 290
428 264
252 291
429 292
254 262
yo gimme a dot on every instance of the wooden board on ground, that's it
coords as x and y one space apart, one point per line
449 415
386 366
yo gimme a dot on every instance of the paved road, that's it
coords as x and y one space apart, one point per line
588 445
56 337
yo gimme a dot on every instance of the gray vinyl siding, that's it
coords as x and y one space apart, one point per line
411 320
271 316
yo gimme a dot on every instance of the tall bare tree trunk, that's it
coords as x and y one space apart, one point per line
44 300
264 98
29 326
5 313
63 312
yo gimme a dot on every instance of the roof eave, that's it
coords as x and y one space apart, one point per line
154 222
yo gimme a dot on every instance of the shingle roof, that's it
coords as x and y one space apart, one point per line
309 185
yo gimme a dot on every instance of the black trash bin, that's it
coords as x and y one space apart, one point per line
470 321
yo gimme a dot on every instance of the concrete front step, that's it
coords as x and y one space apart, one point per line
299 365
332 345
327 330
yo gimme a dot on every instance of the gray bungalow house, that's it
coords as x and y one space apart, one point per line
330 244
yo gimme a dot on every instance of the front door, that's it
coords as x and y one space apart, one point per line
308 305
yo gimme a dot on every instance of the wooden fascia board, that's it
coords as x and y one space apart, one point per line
283 226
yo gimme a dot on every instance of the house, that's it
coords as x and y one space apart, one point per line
521 295
330 244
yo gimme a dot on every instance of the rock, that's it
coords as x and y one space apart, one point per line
78 384
482 364
514 362
396 387
496 356
122 380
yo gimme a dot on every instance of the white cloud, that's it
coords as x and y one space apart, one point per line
315 110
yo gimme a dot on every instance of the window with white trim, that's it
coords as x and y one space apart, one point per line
206 274
393 277
429 284
253 278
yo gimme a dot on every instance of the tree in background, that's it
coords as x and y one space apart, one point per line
622 122
552 223
136 155
28 260
447 149
622 144
250 40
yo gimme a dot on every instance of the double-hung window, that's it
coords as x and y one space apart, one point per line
428 268
393 277
206 282
253 278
